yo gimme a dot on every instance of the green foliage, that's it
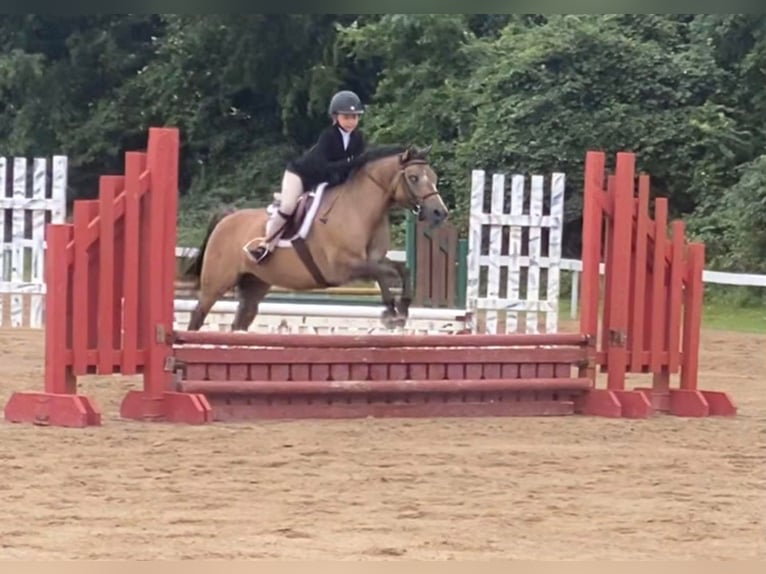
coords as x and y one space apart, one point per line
585 82
732 225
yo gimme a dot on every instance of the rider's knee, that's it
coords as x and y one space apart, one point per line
288 204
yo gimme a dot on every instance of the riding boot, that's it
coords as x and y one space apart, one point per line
274 228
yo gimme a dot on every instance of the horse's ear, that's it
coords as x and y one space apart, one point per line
406 156
425 151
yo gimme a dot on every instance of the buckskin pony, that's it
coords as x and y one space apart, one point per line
347 240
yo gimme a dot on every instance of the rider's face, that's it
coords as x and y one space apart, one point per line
348 121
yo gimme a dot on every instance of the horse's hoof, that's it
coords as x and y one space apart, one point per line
389 319
403 308
400 321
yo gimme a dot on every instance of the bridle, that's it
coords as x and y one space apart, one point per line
415 200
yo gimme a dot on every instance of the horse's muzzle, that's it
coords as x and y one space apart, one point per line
433 215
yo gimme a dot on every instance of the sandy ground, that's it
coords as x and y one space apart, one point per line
566 488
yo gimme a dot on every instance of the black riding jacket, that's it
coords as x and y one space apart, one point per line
327 160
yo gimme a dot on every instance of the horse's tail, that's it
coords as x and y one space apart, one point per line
194 269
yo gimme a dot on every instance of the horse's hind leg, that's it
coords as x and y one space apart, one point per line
204 304
251 290
208 295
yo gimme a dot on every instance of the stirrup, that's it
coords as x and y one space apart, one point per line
259 254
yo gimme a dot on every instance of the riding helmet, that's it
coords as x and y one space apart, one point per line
346 102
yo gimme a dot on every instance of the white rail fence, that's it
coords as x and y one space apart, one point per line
513 252
507 245
28 200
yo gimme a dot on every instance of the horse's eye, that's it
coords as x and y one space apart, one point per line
413 178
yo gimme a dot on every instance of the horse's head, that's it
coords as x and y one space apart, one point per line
416 189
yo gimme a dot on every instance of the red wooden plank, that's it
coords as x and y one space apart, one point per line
119 266
58 311
66 410
619 274
319 372
107 190
417 371
340 372
693 316
170 162
378 372
609 232
258 371
394 357
456 371
80 289
591 239
134 165
528 370
198 372
645 355
379 341
239 372
147 246
279 372
152 291
92 304
436 371
266 408
562 370
491 370
632 270
546 370
677 274
390 386
648 294
359 371
474 370
300 372
659 293
218 372
93 230
509 371
638 284
398 371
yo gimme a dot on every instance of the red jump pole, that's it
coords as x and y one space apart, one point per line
59 404
609 206
377 341
157 401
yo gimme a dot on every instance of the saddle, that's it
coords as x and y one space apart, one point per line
295 221
297 226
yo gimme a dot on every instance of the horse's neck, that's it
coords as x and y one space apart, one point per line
366 198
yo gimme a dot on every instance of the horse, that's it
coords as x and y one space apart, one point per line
347 241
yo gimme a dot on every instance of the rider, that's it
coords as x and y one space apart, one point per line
328 160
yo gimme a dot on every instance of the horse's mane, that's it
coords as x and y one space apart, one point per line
375 153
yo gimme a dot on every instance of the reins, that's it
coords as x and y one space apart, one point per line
393 184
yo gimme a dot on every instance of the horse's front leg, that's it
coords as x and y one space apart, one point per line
405 300
386 276
377 250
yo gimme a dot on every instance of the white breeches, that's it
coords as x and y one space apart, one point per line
292 188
